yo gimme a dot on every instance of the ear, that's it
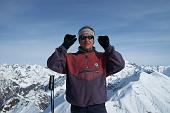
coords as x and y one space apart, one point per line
93 41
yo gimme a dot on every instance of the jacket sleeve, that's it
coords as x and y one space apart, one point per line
57 61
114 61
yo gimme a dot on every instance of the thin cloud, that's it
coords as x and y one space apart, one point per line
39 27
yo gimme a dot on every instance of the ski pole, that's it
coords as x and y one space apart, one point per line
51 87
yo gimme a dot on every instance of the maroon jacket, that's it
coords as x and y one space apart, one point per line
86 73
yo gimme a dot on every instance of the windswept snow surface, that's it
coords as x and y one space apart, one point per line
136 89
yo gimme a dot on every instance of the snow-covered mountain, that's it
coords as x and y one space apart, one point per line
136 89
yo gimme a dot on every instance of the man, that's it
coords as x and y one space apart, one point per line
86 70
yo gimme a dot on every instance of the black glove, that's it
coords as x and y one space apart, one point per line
69 40
104 41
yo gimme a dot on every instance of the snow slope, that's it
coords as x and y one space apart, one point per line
136 89
139 92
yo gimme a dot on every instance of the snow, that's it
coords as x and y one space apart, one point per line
136 89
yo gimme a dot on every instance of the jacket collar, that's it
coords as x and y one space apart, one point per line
81 49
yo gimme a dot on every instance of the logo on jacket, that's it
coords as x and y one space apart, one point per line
96 65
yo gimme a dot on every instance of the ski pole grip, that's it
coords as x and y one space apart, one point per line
51 82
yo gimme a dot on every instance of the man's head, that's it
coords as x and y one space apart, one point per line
86 37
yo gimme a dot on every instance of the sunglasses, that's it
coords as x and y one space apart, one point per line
84 37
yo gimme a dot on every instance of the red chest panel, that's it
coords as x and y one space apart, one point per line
86 66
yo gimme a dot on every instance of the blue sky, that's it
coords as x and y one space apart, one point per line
30 30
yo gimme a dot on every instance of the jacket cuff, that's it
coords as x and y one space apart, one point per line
109 49
61 49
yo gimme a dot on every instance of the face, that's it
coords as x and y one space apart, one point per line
86 41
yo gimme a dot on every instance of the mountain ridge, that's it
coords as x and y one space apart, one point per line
24 89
